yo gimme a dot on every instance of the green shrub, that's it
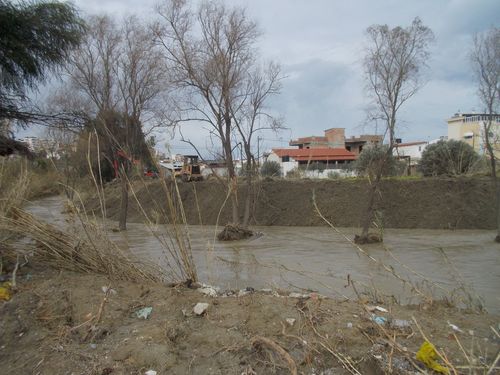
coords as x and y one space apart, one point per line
270 169
373 158
450 158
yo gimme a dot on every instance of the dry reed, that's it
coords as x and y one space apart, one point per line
88 251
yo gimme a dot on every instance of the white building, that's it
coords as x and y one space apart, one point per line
410 150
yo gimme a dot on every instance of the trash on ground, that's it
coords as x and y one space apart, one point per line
200 308
243 292
208 290
105 290
5 292
376 308
150 372
349 325
298 295
379 319
144 313
427 355
454 327
290 321
400 323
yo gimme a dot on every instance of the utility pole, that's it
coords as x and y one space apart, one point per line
258 151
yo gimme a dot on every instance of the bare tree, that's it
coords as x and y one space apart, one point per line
118 71
250 117
485 57
213 58
393 64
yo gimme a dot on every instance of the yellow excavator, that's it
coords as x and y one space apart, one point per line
191 169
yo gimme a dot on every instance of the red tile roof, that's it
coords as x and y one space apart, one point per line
313 154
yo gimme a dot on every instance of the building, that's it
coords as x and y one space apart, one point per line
311 158
335 138
469 127
412 151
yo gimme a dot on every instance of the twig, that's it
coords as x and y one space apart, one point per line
262 341
493 365
14 273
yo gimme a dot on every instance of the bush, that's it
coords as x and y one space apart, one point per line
270 169
450 158
295 173
373 158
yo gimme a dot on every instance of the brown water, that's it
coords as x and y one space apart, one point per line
317 258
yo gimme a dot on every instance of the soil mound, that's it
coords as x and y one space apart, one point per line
427 203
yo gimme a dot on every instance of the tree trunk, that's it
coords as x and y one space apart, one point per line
122 224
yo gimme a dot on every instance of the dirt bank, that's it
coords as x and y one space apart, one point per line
452 203
61 323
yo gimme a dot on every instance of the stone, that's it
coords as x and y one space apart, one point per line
290 321
200 308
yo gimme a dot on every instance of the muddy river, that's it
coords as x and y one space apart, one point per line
455 264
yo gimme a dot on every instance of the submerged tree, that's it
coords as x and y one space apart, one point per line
393 65
212 55
485 59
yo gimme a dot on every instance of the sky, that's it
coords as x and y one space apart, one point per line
319 45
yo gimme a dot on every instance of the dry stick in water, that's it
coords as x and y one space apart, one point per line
262 341
390 270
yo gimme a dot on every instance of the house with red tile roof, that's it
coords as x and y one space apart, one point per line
311 158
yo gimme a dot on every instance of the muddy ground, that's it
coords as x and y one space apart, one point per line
428 203
60 322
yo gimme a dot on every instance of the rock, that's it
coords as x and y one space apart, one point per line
290 321
208 291
200 308
298 295
243 292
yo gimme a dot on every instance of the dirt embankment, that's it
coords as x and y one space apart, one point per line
451 203
61 322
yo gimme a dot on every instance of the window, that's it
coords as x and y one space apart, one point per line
348 148
419 148
285 159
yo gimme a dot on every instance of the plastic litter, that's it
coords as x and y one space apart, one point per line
144 313
427 355
379 319
454 327
400 323
349 325
5 292
376 308
150 372
105 290
290 321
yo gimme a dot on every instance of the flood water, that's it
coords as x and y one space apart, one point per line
319 259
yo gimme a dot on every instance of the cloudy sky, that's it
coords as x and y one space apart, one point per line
319 44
